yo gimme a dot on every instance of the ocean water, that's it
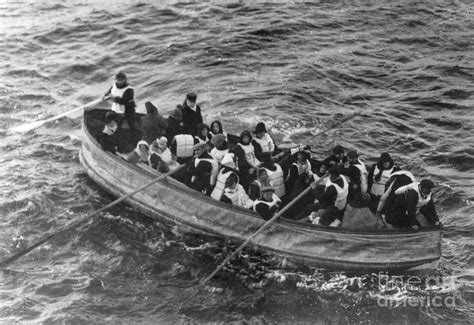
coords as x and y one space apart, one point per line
405 67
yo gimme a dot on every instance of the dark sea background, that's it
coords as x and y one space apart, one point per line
406 68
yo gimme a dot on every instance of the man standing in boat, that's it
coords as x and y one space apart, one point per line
191 115
123 103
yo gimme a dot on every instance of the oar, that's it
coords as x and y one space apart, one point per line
47 237
33 125
262 228
335 124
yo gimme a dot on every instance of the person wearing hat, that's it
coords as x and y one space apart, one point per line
378 176
153 125
121 94
268 204
333 200
108 139
235 194
175 123
219 149
263 138
191 115
408 201
203 169
228 168
246 152
300 173
284 158
140 154
338 157
356 172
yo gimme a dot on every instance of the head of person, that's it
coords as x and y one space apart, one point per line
245 137
199 148
142 147
262 176
202 130
353 156
302 155
425 186
191 100
385 161
260 130
162 143
334 173
150 108
111 118
231 181
266 193
216 127
177 113
218 141
120 79
323 168
338 151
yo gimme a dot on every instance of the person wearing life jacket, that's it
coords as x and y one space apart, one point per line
161 157
220 148
256 185
263 139
121 94
228 168
139 155
216 128
153 125
235 194
284 158
108 139
175 123
300 173
203 170
378 176
246 152
410 199
202 134
356 173
274 172
191 115
332 202
397 180
182 147
268 204
338 157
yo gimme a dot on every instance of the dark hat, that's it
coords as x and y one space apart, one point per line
426 183
177 114
385 156
218 139
334 170
260 127
150 108
352 154
338 149
267 189
110 116
192 97
121 75
199 145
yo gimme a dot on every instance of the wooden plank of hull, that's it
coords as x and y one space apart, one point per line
332 248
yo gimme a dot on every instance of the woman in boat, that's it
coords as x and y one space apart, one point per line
216 128
300 173
264 139
397 180
228 168
161 157
191 115
268 204
203 170
332 202
220 147
274 172
235 194
379 174
108 138
175 123
153 125
256 186
410 199
246 152
202 135
357 175
140 154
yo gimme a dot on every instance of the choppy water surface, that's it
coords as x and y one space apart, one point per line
405 67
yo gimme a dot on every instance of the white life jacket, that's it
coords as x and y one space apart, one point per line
201 140
406 173
378 188
341 199
184 145
266 143
249 151
277 179
361 167
239 197
214 171
275 200
118 92
422 200
218 154
220 184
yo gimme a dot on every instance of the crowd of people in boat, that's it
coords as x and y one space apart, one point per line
252 171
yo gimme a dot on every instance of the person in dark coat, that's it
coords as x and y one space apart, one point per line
108 138
203 170
338 157
246 152
175 123
268 204
397 180
410 199
153 125
378 176
356 172
191 115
